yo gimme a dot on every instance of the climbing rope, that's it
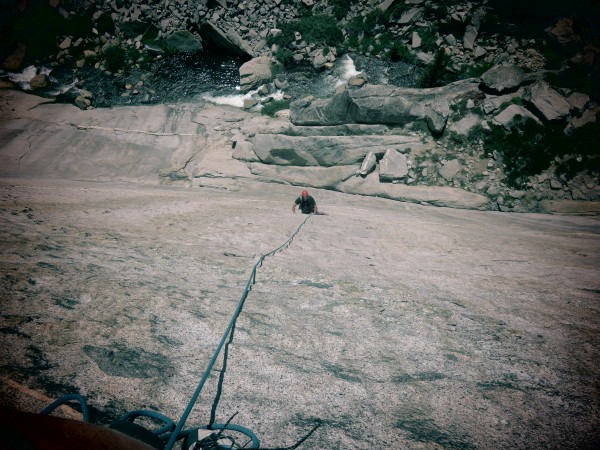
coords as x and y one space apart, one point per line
249 284
174 432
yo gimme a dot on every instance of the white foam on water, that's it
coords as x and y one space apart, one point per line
346 70
23 78
237 100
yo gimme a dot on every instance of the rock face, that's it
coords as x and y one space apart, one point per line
384 104
189 143
376 308
325 150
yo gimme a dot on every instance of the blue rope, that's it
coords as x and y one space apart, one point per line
169 424
63 400
251 281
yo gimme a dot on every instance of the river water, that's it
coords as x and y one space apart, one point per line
191 77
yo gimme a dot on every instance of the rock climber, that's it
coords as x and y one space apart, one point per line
306 203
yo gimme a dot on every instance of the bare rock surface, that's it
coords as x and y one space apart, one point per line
395 325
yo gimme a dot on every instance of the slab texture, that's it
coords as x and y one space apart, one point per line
395 325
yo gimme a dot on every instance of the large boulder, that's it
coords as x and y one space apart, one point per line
564 33
255 72
40 81
182 41
450 169
326 151
330 111
502 79
543 99
513 114
384 104
393 166
317 177
227 39
14 62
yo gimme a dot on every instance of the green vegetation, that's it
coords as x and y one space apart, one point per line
340 8
271 108
399 52
473 70
105 24
530 148
317 29
435 73
115 58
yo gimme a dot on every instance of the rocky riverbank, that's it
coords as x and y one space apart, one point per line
520 136
191 144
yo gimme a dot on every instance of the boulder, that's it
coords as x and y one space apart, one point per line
434 195
393 166
513 114
14 62
255 72
435 111
228 39
578 101
469 37
564 33
319 60
416 40
39 81
330 111
182 41
493 102
384 104
466 124
546 101
316 177
65 44
385 5
368 164
479 52
450 169
588 56
502 79
410 16
588 116
326 150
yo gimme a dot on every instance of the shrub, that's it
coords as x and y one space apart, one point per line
529 148
473 70
428 41
340 8
435 73
399 52
394 12
284 55
105 24
115 58
320 29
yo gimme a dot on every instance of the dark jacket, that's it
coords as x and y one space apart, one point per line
307 206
